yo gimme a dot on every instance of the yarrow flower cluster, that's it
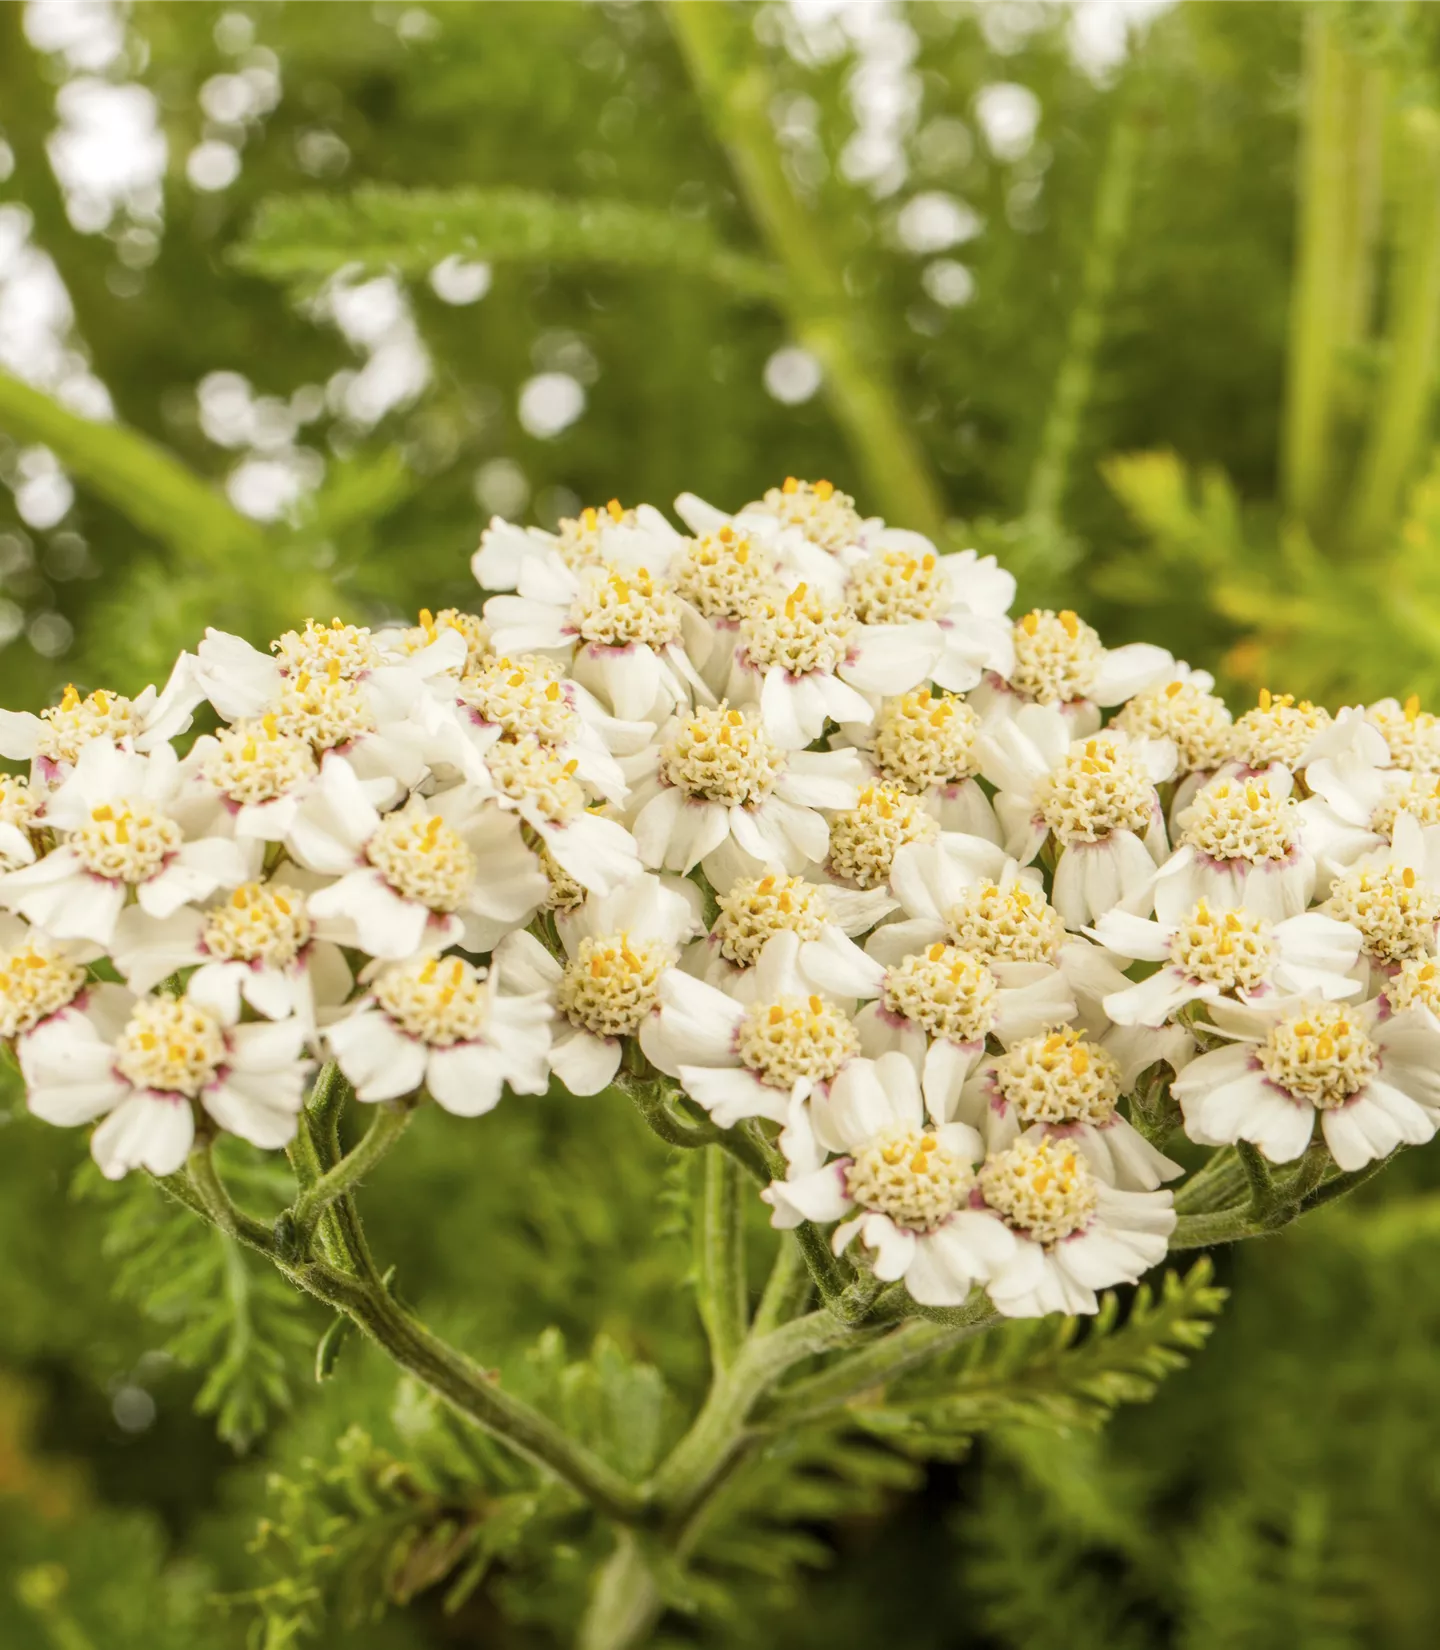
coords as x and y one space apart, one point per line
777 820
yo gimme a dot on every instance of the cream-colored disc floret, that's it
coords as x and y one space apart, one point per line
922 741
326 711
1415 792
615 608
721 573
1198 723
35 983
1014 923
470 625
578 538
563 893
1412 734
758 908
1230 949
612 983
1415 984
74 722
423 859
1057 656
795 1037
440 1000
1042 1187
171 1045
349 648
254 762
947 992
865 839
825 515
527 771
797 631
522 695
1101 785
1319 1054
264 922
126 841
1395 910
896 587
1241 819
721 755
911 1177
1061 1077
19 806
1279 729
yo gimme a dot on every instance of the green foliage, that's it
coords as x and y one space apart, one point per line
412 230
228 1314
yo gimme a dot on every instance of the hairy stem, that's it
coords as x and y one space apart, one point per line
386 1126
720 1258
407 1342
787 1289
736 94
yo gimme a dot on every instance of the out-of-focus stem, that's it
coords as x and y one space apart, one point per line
1114 195
720 1258
1400 423
736 98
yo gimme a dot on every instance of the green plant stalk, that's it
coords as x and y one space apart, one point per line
787 1289
1400 425
408 1343
1114 195
625 1602
1318 301
141 480
736 100
386 1126
720 1258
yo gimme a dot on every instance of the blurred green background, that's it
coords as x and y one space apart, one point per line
293 297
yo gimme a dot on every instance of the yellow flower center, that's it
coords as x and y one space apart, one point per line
758 908
1197 722
619 609
1059 1078
527 771
1395 910
1415 792
722 755
796 1037
348 647
74 722
126 841
1242 819
1100 786
797 631
1229 949
865 839
1416 983
1412 734
1278 730
824 515
260 922
326 711
896 587
946 991
34 984
922 741
1013 923
1319 1055
473 628
442 1001
522 696
1042 1188
1057 657
171 1045
912 1178
253 761
578 538
612 983
721 573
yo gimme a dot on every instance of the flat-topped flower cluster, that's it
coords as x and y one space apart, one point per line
959 916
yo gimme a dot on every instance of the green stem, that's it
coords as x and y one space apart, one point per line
902 1349
1400 425
787 1289
736 94
1265 1197
1114 195
1216 1185
625 1603
407 1342
1319 299
699 1461
386 1126
720 1258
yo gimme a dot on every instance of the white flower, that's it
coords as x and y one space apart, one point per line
807 660
248 780
721 573
814 513
1411 735
260 944
1240 843
750 1059
638 537
1070 1087
118 835
902 1185
1095 796
431 874
143 1064
53 740
442 1024
1060 662
754 909
715 777
937 1007
1389 898
624 632
1374 1083
1187 711
1209 954
39 976
1281 730
21 816
928 746
1075 1233
1356 806
617 948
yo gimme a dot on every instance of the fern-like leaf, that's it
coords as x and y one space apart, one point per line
304 237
